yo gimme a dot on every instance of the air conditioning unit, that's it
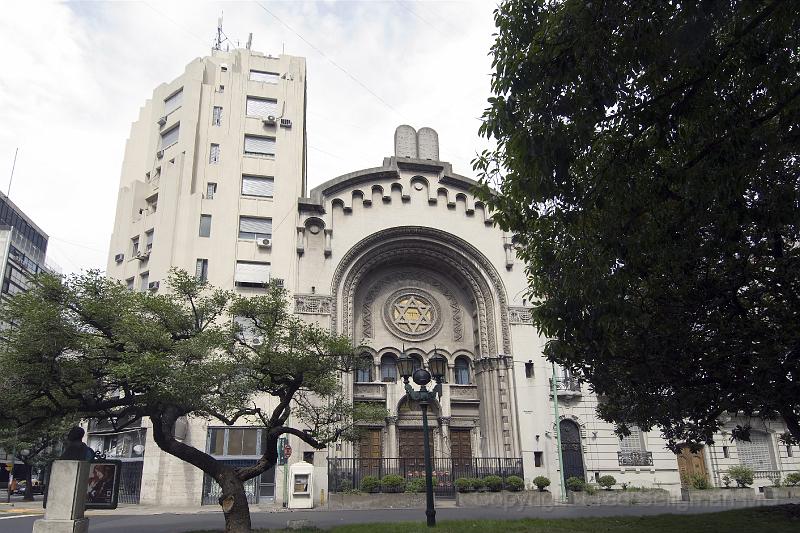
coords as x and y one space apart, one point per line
264 243
269 121
162 120
160 154
142 256
119 257
286 123
153 285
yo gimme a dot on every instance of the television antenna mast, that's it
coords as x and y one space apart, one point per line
221 37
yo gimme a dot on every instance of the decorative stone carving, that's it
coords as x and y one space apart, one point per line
411 275
428 144
464 392
405 142
520 315
447 251
369 391
412 314
312 304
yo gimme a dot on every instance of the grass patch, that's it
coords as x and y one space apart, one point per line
775 519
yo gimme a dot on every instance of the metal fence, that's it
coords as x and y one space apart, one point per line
212 491
130 485
345 473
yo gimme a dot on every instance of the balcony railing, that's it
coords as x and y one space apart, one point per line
567 386
635 458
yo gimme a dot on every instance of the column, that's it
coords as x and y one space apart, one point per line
391 437
444 431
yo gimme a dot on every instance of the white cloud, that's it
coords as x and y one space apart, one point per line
75 76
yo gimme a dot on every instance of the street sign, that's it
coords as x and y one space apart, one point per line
287 450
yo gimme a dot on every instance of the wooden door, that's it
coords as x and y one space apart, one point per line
412 448
461 446
370 451
691 463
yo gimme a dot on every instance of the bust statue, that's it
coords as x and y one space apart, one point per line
76 449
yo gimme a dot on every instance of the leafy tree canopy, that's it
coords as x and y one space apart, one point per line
647 160
86 346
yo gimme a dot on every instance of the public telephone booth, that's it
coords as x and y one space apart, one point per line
301 486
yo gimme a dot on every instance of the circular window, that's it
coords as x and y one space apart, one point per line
412 314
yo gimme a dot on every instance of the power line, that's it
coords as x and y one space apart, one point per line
331 61
176 23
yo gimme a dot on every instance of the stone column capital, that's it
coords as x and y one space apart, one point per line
391 420
444 420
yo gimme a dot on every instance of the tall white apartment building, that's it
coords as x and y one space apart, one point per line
211 174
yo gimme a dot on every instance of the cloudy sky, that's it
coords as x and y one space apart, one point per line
75 75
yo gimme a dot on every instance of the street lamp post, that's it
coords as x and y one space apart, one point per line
422 377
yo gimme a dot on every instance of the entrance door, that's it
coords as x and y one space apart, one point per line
370 452
690 464
412 449
571 450
461 452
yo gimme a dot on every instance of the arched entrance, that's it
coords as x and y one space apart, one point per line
571 451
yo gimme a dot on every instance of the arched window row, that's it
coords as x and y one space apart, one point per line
462 374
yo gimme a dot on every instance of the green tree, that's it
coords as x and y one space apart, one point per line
87 346
34 446
647 160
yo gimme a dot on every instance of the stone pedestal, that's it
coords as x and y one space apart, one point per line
66 499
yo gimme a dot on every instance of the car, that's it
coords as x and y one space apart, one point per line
38 488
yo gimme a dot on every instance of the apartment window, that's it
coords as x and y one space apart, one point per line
529 369
632 442
168 138
726 452
129 283
211 190
263 76
205 225
216 116
254 145
789 452
234 441
258 186
201 270
538 459
251 274
221 89
135 246
213 156
255 228
148 240
173 102
261 107
152 203
145 281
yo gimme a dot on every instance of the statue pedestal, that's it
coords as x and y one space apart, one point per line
66 499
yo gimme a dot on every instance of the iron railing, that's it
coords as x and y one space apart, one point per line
566 384
635 458
346 473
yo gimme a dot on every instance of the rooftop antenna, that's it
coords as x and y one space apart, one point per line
219 40
249 40
13 166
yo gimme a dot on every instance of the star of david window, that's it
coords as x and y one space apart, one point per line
412 314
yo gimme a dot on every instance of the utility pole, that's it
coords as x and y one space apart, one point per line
561 482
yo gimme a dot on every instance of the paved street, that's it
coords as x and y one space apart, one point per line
123 521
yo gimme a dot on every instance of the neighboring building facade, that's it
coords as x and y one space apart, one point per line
23 247
398 257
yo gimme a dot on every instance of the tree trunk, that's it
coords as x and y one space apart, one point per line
233 500
234 503
792 423
28 497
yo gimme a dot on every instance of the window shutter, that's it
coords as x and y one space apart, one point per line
261 107
267 77
170 137
261 226
259 145
252 273
257 186
173 102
